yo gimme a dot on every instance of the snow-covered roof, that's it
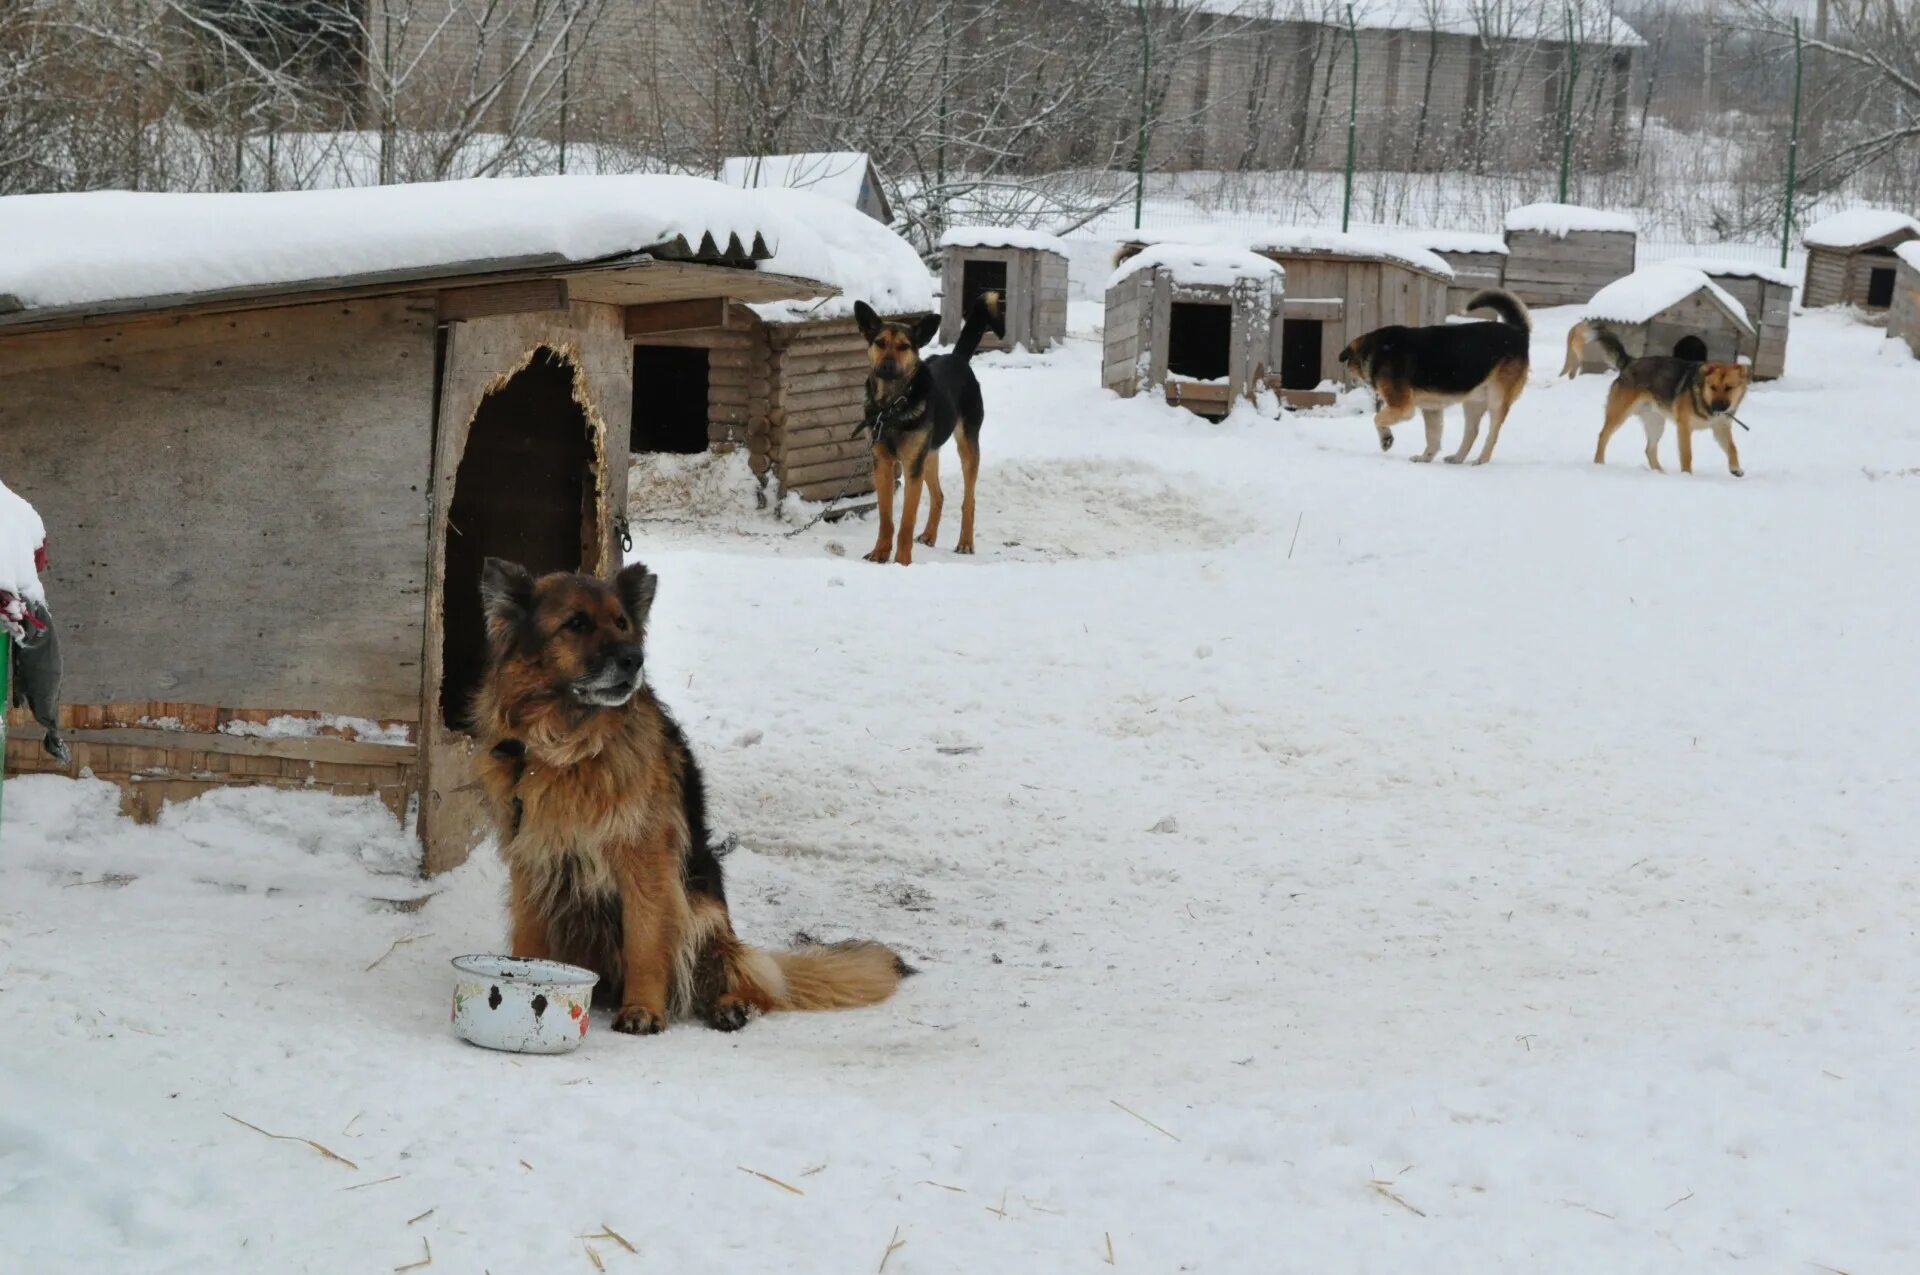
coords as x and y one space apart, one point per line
1858 227
21 536
847 176
1561 220
1456 241
1720 268
1002 237
1382 246
1214 265
830 241
1594 20
109 249
1909 252
1651 289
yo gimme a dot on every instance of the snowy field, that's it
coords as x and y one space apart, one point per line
1317 863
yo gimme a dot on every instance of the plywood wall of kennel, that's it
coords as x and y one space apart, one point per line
1903 316
1562 255
1333 298
1766 292
1701 315
1204 344
1031 278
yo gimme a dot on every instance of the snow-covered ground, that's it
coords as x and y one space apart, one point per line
1317 862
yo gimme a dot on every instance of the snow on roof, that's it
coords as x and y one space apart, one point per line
1002 237
1200 264
1651 289
1456 241
824 239
21 534
1858 227
1909 252
1560 220
115 246
841 175
1373 247
1721 268
1594 20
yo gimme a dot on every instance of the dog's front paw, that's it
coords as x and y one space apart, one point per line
927 539
1453 460
1738 473
1480 460
880 555
639 1022
1386 442
728 1014
965 546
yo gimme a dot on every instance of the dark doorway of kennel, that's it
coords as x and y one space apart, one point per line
977 277
1690 348
1880 287
1300 353
1199 337
669 399
524 491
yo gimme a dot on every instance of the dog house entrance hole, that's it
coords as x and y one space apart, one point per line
1880 286
524 491
977 277
669 399
1691 348
1300 354
1198 334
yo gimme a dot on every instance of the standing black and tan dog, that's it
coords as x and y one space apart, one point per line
602 818
1691 394
1481 366
914 406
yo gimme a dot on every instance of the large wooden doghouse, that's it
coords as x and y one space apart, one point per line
1561 254
1479 262
1766 293
279 433
1654 309
1850 257
1203 322
784 380
1029 270
1903 316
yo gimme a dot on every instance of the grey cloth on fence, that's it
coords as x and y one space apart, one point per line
36 680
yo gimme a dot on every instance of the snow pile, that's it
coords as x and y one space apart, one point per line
321 726
836 175
1203 265
1651 289
1909 252
1858 226
1003 237
1457 241
821 238
1722 267
1382 246
1561 220
81 249
23 548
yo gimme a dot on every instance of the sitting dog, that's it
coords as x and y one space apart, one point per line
914 406
1482 366
602 818
1691 394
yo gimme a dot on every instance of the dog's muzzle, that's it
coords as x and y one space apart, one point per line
614 682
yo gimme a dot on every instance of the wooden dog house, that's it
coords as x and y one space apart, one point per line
1766 293
1561 254
279 441
1850 257
1203 322
784 380
1028 269
1903 316
1653 310
1478 261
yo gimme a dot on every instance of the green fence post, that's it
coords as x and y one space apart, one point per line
1140 150
1793 151
1566 107
1353 111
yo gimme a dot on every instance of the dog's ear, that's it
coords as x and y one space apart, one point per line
927 328
869 321
506 591
637 586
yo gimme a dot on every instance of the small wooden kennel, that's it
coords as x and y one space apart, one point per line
1027 268
1561 254
1202 322
1850 257
1653 310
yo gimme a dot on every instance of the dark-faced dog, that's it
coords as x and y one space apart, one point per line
602 819
1691 394
1482 366
914 406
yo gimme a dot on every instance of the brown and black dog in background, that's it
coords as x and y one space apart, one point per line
602 818
1481 366
1691 394
914 406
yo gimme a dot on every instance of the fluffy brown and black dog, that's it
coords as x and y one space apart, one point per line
1691 394
914 406
1482 366
602 818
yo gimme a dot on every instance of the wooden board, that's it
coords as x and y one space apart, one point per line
659 317
534 295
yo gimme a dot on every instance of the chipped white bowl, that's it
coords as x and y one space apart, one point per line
526 1006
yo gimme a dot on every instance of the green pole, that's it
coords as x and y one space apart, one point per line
1566 107
1353 111
1140 149
566 65
1793 150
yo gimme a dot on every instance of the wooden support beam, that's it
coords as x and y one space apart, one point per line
660 317
530 296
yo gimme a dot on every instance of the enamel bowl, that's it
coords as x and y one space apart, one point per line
527 1006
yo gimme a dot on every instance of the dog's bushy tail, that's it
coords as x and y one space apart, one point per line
1512 310
822 976
987 313
1616 352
